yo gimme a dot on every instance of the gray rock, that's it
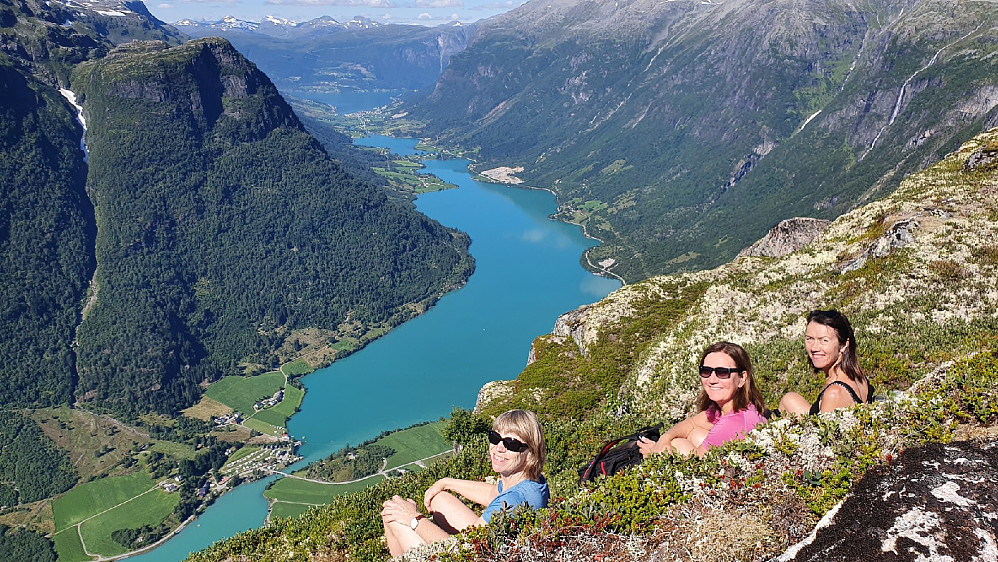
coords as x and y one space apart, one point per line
787 237
938 502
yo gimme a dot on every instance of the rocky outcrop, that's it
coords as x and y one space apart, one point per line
787 237
573 325
899 235
937 502
982 158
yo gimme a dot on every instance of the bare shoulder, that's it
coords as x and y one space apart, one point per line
699 419
836 396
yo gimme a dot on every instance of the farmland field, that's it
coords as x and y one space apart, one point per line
239 393
105 505
415 443
96 496
303 491
285 510
68 546
148 509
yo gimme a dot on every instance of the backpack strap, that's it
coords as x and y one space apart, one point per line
598 460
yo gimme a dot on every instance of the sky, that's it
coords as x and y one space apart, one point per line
423 12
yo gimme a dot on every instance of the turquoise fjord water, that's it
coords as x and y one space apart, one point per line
527 272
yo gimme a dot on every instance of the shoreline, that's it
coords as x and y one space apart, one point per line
599 270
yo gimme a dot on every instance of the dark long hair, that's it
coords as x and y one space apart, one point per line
749 392
843 330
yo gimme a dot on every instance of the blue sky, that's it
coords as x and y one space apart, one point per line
425 12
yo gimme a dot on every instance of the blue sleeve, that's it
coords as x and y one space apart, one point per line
506 500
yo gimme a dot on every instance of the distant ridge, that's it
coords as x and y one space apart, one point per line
679 132
278 27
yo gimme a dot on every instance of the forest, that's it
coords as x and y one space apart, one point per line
46 241
227 231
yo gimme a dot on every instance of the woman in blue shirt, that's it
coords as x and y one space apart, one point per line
517 453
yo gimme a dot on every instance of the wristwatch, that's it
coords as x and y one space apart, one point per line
415 521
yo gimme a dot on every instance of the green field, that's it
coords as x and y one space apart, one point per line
240 453
410 445
68 546
175 450
284 510
96 496
148 509
104 505
264 427
240 393
305 492
296 368
415 443
279 414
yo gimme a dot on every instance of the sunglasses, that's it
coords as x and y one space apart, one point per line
510 443
721 372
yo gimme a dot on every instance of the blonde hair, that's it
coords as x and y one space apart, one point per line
524 424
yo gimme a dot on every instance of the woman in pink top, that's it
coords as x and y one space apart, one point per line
728 407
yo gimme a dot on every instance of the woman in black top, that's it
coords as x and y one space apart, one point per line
831 347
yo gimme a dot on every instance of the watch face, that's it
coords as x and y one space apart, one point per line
414 523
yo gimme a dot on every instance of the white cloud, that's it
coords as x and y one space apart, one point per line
424 16
439 3
369 3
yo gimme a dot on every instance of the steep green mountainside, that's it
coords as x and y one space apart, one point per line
46 240
917 273
210 227
397 58
229 228
679 132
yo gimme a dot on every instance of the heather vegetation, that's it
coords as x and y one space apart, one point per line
926 314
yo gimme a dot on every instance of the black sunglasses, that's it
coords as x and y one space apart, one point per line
510 443
721 372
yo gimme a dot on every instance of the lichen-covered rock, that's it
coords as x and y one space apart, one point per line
937 502
787 237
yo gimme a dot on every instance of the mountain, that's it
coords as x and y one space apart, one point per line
315 58
199 230
685 130
273 26
917 274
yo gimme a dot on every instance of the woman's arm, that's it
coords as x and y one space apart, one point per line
401 511
681 430
481 493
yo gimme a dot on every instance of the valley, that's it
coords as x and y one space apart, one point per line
237 281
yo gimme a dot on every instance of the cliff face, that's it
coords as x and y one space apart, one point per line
687 129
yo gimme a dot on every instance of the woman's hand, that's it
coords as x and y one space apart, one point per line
399 510
436 488
649 447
